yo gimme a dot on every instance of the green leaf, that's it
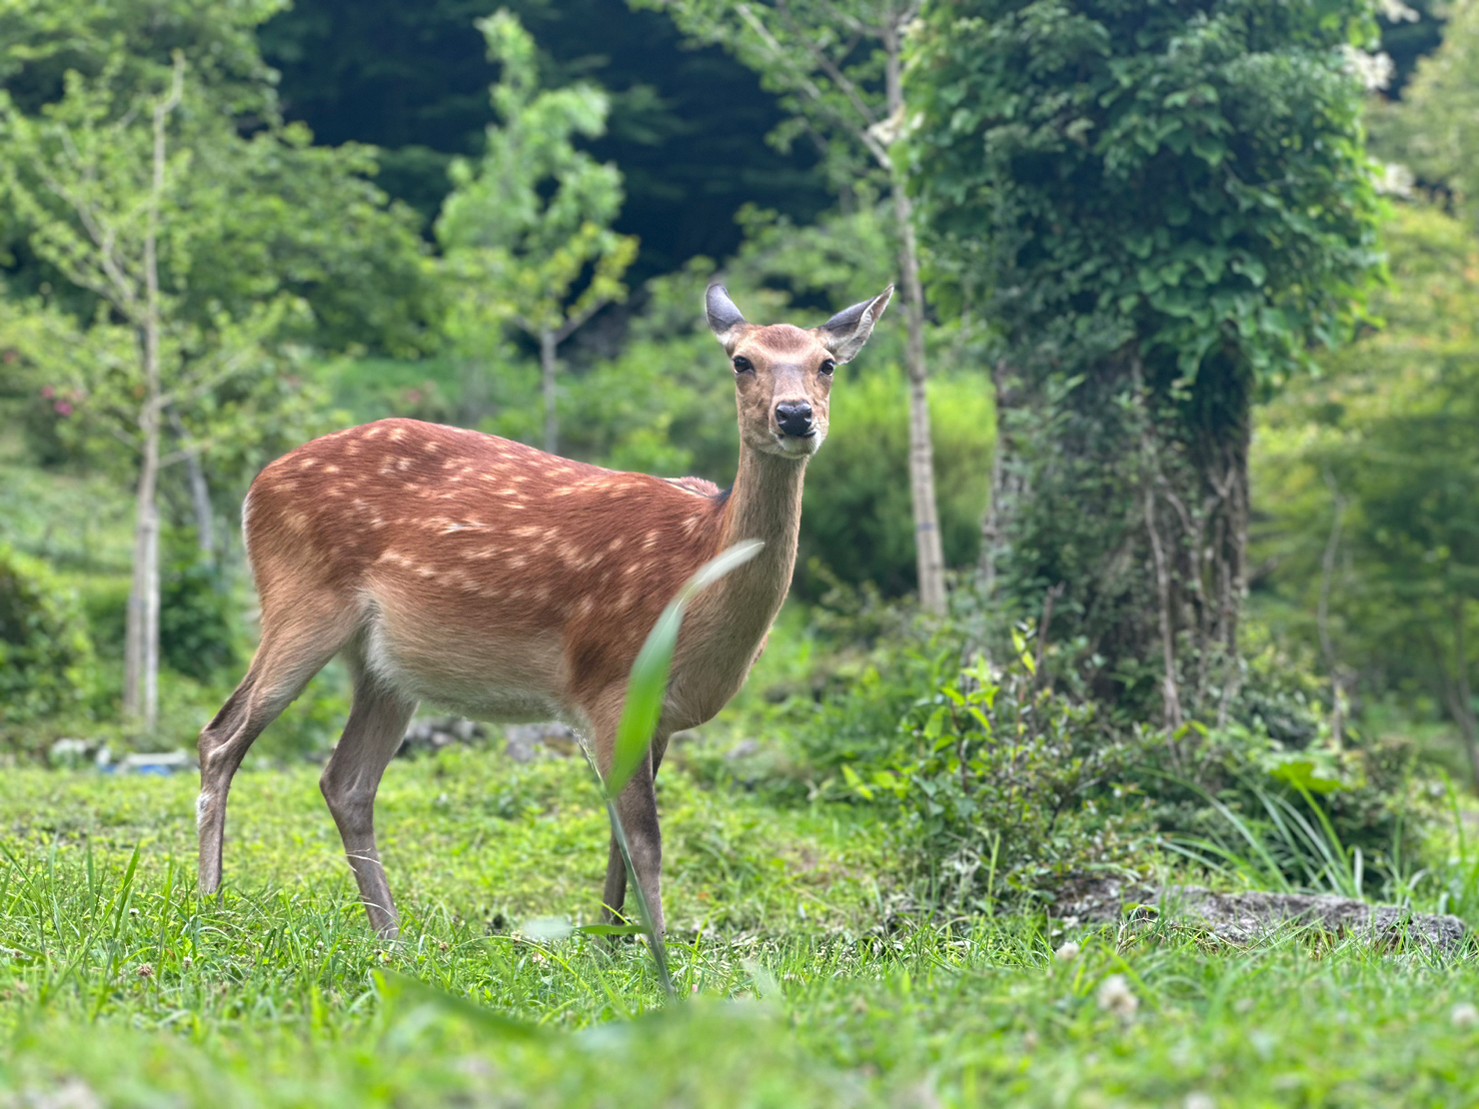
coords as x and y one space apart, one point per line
649 682
1305 774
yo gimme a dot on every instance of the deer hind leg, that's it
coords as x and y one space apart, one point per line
289 656
377 724
637 808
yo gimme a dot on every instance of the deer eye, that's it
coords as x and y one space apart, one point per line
743 365
826 368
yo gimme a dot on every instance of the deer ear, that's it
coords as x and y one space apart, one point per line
725 320
846 332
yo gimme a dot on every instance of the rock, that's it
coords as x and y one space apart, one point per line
431 734
1245 918
70 752
527 741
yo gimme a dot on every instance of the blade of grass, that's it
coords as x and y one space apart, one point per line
646 692
649 681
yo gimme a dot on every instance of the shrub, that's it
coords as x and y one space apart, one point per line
1004 778
198 615
1005 788
46 656
858 520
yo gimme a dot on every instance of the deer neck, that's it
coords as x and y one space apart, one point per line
728 622
764 504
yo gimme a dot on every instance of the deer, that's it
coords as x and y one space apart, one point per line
507 584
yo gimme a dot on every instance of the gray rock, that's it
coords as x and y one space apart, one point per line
526 742
430 734
1245 918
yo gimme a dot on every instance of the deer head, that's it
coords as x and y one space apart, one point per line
783 374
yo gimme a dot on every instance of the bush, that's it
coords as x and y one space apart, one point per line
858 519
1006 788
1004 779
46 656
198 615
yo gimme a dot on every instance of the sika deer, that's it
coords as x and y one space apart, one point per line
508 584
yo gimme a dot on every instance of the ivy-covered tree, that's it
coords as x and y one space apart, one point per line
1159 208
526 232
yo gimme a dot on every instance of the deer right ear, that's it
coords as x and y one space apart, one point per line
847 331
725 320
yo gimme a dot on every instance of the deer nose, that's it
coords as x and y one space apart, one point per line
795 418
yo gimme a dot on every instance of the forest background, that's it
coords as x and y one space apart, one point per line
1146 533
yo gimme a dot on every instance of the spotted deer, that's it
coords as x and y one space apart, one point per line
509 584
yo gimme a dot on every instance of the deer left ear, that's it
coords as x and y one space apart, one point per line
725 320
846 332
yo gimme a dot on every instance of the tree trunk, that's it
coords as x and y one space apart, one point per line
1134 499
141 635
200 491
548 367
1006 480
929 550
141 638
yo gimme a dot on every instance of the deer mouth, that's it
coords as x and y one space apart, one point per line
794 446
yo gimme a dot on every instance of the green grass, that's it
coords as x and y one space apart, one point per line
118 984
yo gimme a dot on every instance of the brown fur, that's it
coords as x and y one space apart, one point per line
507 583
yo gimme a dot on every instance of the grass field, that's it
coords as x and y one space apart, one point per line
118 986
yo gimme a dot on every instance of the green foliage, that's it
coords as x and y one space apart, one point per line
1433 130
826 61
287 214
413 80
857 520
1004 787
43 41
1044 126
1368 476
526 231
46 656
199 613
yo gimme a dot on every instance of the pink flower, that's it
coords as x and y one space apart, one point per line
48 391
63 409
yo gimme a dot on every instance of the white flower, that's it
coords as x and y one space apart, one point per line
1374 71
1394 179
1115 996
1394 11
1464 1015
1068 952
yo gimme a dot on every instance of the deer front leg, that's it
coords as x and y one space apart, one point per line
637 810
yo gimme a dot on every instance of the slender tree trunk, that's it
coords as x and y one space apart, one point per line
1322 613
141 636
929 550
141 661
200 491
548 367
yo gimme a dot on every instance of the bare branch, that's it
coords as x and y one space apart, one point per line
800 82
